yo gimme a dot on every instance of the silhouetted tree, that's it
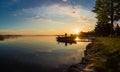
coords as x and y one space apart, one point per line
102 29
107 11
117 30
65 34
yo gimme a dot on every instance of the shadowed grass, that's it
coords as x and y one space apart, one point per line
105 53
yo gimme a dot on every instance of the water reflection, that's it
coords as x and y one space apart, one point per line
1 38
67 42
77 39
38 54
4 37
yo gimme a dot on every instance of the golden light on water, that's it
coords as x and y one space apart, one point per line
77 39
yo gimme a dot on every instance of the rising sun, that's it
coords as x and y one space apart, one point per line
77 31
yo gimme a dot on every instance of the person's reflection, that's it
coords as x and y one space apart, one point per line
71 43
65 43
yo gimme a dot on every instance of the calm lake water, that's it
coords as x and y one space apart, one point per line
39 54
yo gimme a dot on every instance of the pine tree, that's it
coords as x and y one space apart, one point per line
107 11
102 29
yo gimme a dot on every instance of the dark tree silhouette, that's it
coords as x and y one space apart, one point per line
117 30
102 29
107 11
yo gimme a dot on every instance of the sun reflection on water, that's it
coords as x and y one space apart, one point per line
77 39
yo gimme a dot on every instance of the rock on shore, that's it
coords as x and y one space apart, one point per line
82 66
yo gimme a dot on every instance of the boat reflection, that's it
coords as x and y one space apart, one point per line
67 42
71 40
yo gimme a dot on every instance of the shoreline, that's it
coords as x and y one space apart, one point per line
101 55
83 65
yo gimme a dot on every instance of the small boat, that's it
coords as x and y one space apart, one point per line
66 39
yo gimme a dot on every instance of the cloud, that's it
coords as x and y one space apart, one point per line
59 14
14 14
64 0
41 20
38 18
82 19
57 11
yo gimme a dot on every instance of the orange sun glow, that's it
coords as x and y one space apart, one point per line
77 31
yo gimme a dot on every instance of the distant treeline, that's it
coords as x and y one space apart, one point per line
102 30
2 37
87 34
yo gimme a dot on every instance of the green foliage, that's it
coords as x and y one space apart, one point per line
107 12
107 51
103 9
103 29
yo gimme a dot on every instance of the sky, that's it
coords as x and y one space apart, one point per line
46 17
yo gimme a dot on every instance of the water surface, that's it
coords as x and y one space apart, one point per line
39 54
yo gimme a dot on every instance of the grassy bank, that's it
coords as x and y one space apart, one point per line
104 54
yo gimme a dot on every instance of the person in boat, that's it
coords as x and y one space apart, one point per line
65 34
